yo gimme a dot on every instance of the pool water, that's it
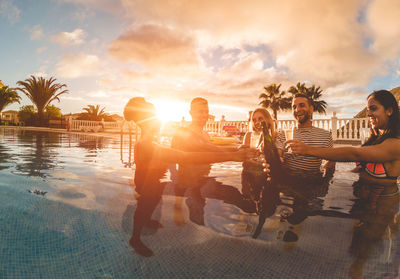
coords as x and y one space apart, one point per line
78 223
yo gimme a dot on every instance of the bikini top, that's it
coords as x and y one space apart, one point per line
376 170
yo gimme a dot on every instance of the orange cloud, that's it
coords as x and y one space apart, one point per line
155 47
384 22
321 41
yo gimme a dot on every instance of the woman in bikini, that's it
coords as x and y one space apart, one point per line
152 160
378 158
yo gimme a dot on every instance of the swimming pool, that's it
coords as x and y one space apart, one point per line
81 226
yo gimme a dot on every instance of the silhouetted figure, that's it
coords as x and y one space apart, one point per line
192 178
151 161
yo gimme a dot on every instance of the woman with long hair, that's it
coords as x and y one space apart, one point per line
378 158
253 176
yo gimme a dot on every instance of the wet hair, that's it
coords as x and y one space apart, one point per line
387 100
198 101
139 110
267 116
302 95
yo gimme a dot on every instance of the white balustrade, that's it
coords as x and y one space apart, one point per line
349 129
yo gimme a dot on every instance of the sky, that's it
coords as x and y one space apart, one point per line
170 51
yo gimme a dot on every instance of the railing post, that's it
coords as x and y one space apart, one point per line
221 125
334 125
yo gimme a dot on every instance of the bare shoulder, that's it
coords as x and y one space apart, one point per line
390 145
394 142
181 136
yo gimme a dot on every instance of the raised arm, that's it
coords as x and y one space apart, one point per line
201 143
246 139
389 150
170 155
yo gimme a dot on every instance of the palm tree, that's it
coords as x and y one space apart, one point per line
93 113
300 88
8 96
274 99
41 92
313 93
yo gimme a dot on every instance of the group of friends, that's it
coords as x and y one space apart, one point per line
309 153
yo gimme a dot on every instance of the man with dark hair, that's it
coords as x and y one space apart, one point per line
194 179
302 109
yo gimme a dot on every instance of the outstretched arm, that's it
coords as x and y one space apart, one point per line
388 150
170 155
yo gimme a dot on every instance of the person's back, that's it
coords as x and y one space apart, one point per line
149 170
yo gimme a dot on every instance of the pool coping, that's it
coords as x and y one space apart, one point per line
57 130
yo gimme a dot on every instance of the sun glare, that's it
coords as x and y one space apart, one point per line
170 110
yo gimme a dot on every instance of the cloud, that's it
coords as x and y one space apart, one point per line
40 74
322 41
75 37
78 65
383 17
73 98
36 32
155 47
110 6
40 50
228 50
98 94
9 10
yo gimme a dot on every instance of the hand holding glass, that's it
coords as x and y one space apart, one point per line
289 136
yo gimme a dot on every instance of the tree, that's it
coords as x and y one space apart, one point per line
27 114
275 99
41 92
8 96
300 88
53 112
93 113
313 93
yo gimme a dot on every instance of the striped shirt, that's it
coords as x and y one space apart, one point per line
280 140
305 164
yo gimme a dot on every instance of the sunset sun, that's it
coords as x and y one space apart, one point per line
171 110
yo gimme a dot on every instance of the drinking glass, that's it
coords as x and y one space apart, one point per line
255 143
289 136
255 140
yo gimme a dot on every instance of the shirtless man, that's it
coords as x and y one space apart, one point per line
192 178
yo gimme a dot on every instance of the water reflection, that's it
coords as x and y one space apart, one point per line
41 154
374 230
4 157
92 143
297 204
150 193
297 215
